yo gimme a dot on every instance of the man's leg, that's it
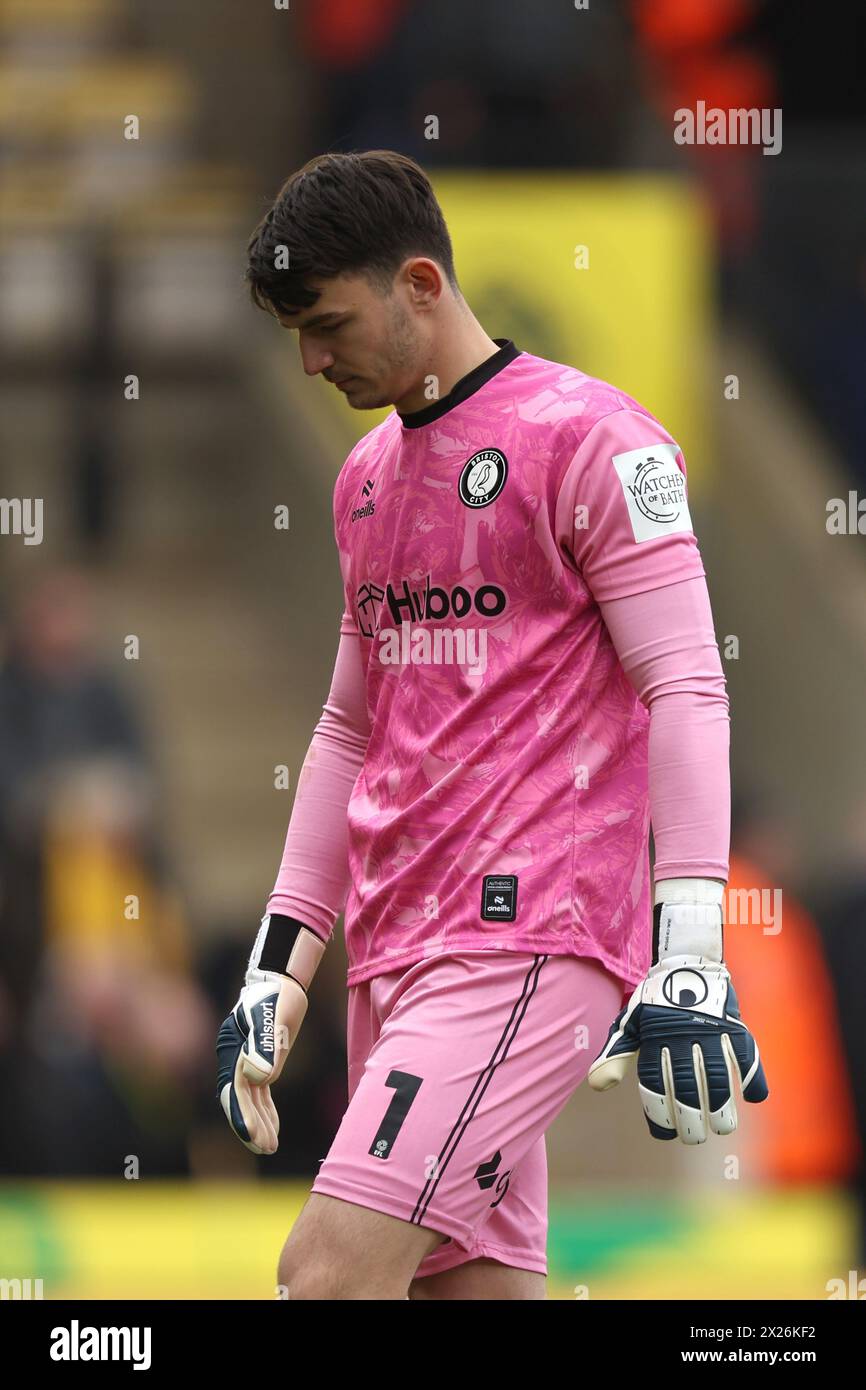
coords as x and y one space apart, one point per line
338 1250
481 1279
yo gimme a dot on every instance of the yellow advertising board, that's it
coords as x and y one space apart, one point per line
608 273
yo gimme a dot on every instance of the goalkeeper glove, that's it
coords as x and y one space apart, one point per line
683 1023
256 1038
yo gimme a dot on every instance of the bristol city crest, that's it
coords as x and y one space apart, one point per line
483 478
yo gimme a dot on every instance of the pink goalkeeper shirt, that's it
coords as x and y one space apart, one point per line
526 628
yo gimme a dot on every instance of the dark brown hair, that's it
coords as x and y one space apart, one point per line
361 213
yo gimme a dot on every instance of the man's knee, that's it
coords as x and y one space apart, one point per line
316 1263
309 1280
324 1279
304 1273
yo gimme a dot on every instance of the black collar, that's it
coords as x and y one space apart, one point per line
465 387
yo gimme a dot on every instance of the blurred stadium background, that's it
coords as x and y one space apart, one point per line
164 647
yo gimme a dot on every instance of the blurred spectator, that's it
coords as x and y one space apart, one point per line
57 706
103 1032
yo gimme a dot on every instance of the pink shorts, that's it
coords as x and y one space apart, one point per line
457 1066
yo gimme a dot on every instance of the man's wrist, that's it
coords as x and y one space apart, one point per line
689 890
688 919
285 946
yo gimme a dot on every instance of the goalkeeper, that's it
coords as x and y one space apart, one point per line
527 677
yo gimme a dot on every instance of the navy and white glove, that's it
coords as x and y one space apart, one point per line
683 1023
258 1035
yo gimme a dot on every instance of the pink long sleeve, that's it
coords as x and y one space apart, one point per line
313 879
666 643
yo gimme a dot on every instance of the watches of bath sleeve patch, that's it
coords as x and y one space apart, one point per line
623 510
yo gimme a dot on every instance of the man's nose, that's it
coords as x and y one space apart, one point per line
315 359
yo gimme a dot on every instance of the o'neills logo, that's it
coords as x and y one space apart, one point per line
367 510
659 491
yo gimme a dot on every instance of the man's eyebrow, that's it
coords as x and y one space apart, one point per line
319 318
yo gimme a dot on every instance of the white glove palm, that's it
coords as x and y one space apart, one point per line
683 1024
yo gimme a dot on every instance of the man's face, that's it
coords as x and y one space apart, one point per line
369 344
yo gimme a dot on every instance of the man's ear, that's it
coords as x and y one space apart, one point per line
425 280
